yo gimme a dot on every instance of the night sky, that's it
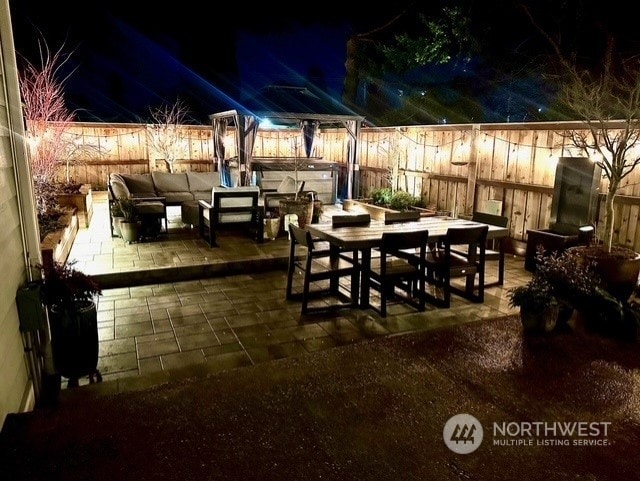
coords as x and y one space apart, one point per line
129 56
126 60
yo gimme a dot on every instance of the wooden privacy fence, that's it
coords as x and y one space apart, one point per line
451 167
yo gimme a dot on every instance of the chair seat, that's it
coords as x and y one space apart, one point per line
489 254
396 267
331 267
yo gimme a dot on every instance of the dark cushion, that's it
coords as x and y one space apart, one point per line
177 197
119 187
203 182
139 184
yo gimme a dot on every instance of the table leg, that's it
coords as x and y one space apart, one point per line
501 247
334 256
364 278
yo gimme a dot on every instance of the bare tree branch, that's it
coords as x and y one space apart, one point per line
164 132
598 99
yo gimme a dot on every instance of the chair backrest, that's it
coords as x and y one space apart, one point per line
404 216
474 237
498 220
397 244
301 236
404 240
235 205
357 220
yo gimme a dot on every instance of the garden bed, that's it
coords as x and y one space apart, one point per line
82 201
55 247
377 212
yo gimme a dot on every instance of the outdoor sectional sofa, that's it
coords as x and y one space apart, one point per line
199 196
171 188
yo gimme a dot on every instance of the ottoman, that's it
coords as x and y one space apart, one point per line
189 212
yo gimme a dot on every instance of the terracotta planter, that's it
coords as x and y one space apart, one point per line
619 269
302 208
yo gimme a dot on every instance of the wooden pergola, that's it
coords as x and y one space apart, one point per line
292 106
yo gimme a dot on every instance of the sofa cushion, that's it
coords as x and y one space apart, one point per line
119 187
203 181
140 185
170 182
174 198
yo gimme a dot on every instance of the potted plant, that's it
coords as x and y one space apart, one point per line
572 278
538 306
299 205
70 298
164 133
381 196
116 217
130 225
561 281
272 224
607 315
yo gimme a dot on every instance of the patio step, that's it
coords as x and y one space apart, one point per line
159 275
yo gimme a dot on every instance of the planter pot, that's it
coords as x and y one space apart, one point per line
130 230
302 208
619 269
539 321
272 227
317 211
74 340
115 223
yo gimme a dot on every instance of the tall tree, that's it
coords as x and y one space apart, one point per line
409 39
604 93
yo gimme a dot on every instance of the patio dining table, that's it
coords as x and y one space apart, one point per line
364 239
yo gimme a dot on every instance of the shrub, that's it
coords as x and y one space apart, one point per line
534 296
401 200
570 277
381 196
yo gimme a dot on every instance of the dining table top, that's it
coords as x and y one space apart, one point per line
368 237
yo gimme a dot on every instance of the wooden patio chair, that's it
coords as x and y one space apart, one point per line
494 251
443 265
319 267
398 277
